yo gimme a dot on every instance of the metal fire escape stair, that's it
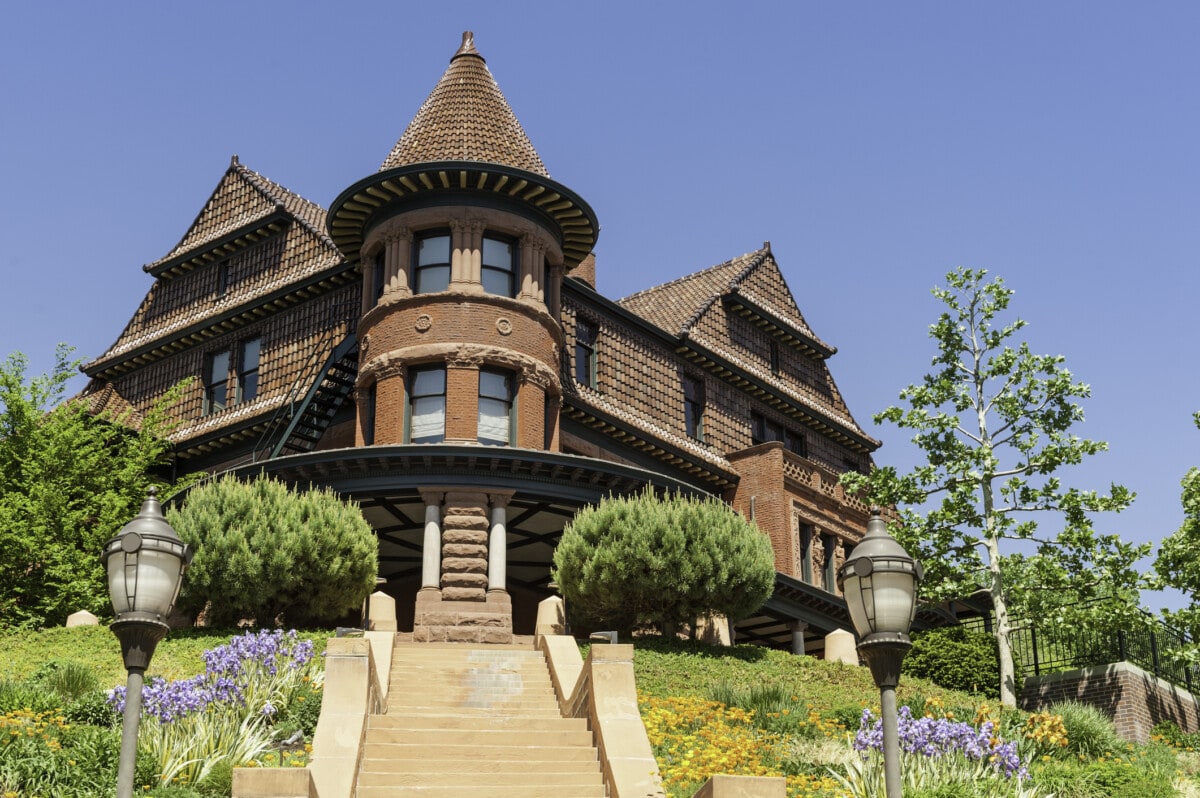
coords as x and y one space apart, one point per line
299 424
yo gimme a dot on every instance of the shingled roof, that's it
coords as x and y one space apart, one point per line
466 118
242 198
677 306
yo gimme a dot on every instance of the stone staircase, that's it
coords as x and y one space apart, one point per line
466 720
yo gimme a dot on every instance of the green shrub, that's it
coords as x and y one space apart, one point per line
267 552
1089 732
92 709
301 713
956 658
69 680
27 695
641 561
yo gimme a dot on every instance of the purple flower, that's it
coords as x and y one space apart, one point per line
938 737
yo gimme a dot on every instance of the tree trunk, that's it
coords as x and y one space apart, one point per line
1008 677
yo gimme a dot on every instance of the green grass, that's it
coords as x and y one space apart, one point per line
177 656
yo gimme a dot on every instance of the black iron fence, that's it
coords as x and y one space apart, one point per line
1140 639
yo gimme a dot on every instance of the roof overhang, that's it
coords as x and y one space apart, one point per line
383 194
767 320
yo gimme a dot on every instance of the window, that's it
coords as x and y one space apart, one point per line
763 430
585 353
427 405
497 271
377 273
222 278
693 407
432 272
495 407
247 375
368 421
806 552
216 382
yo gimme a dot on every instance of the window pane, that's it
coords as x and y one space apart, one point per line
495 385
494 421
429 382
428 419
497 282
218 370
497 254
250 350
435 249
432 279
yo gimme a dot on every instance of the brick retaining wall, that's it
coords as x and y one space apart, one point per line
1134 699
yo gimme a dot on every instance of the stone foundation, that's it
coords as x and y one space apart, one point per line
443 619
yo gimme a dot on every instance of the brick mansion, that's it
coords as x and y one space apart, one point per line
432 345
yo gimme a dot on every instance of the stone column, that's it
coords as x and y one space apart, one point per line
399 254
431 546
464 547
555 291
459 264
798 630
498 544
367 263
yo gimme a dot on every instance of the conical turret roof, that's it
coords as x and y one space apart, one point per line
466 118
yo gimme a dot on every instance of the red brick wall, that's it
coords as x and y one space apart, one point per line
1134 699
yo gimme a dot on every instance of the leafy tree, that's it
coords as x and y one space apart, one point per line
68 482
639 560
956 658
267 552
1178 562
994 421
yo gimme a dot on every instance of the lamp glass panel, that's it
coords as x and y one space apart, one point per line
895 594
158 581
118 590
856 601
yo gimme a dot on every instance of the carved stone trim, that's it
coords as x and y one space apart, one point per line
504 326
423 323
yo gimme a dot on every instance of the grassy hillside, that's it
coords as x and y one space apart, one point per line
706 709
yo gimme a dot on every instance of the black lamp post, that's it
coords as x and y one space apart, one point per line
145 564
879 581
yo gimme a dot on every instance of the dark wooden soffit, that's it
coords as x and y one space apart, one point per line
577 409
384 470
252 310
779 328
358 207
223 247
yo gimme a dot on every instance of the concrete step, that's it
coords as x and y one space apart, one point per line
485 737
486 753
475 714
521 767
524 791
491 720
562 780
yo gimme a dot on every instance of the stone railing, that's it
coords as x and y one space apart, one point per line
602 691
353 691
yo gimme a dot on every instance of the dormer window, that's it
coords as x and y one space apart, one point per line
499 266
432 270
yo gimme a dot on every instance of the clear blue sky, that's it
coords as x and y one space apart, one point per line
876 145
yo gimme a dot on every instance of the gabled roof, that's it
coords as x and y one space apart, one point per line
677 306
466 118
244 210
242 198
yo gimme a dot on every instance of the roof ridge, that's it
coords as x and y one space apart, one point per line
266 186
688 277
